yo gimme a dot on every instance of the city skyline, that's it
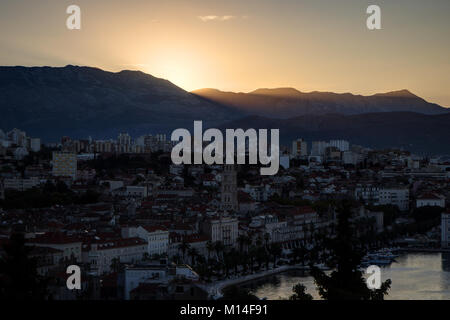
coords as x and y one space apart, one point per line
242 46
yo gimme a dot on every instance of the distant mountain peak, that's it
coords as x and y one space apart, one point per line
289 102
49 102
404 93
287 92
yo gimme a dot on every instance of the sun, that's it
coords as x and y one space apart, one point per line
181 68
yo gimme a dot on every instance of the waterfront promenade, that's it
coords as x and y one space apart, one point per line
215 289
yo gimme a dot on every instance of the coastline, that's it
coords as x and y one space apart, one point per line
215 290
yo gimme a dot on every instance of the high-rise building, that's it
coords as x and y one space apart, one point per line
17 136
229 188
319 147
35 144
161 137
124 143
299 148
64 164
342 145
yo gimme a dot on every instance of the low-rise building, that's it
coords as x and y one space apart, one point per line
430 200
20 184
223 229
155 274
397 196
100 255
70 246
157 238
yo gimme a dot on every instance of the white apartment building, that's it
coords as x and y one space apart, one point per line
397 196
342 145
431 200
370 194
157 238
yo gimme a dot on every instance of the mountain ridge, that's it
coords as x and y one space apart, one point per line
81 101
77 101
290 102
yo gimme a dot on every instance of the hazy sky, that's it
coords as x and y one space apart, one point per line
241 45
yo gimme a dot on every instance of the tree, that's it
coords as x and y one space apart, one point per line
242 240
346 282
116 266
19 279
276 251
300 293
184 246
194 254
218 247
210 248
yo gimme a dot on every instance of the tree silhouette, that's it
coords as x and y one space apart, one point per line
300 293
19 279
346 282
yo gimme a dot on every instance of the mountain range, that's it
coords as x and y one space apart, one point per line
288 102
51 102
80 101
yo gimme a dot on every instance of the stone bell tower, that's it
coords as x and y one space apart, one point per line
229 188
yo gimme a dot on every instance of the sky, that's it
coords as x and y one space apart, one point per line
242 45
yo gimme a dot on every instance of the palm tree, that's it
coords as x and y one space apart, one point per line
210 248
260 256
235 259
184 246
115 265
219 247
241 240
252 252
193 253
275 250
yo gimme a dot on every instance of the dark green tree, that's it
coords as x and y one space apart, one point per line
300 293
19 279
346 282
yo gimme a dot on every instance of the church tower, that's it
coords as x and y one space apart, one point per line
229 188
